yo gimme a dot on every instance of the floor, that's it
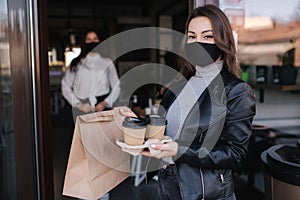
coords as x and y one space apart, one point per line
62 138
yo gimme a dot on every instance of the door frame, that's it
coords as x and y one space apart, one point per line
28 40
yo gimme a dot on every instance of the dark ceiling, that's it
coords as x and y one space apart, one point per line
109 17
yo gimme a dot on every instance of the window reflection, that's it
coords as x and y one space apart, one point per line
7 151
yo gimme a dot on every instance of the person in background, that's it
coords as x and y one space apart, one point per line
91 82
210 139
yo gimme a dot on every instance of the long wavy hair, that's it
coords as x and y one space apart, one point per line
223 38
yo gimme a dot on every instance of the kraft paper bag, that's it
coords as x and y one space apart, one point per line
96 164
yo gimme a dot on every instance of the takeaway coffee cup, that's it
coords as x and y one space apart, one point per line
134 130
156 127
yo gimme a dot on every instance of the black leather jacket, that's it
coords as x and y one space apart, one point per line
214 138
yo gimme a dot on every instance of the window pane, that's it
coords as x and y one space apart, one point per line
7 152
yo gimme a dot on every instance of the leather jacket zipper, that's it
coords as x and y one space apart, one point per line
202 180
222 178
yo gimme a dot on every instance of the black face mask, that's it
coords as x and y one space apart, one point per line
202 54
90 46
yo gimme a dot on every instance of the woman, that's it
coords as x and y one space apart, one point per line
91 81
210 137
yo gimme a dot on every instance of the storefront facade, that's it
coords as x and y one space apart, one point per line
26 148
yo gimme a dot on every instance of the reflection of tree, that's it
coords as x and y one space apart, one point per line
3 27
296 13
287 58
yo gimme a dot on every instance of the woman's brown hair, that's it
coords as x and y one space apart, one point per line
223 38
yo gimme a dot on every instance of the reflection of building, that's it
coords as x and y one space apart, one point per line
264 46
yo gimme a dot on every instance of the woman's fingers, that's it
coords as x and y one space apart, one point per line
127 112
167 150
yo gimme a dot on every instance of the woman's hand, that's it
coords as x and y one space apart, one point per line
101 106
85 107
127 112
167 150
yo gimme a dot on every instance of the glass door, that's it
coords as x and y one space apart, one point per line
7 151
25 140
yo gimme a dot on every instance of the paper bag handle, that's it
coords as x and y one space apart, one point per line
103 116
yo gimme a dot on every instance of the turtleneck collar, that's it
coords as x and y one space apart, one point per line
209 70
